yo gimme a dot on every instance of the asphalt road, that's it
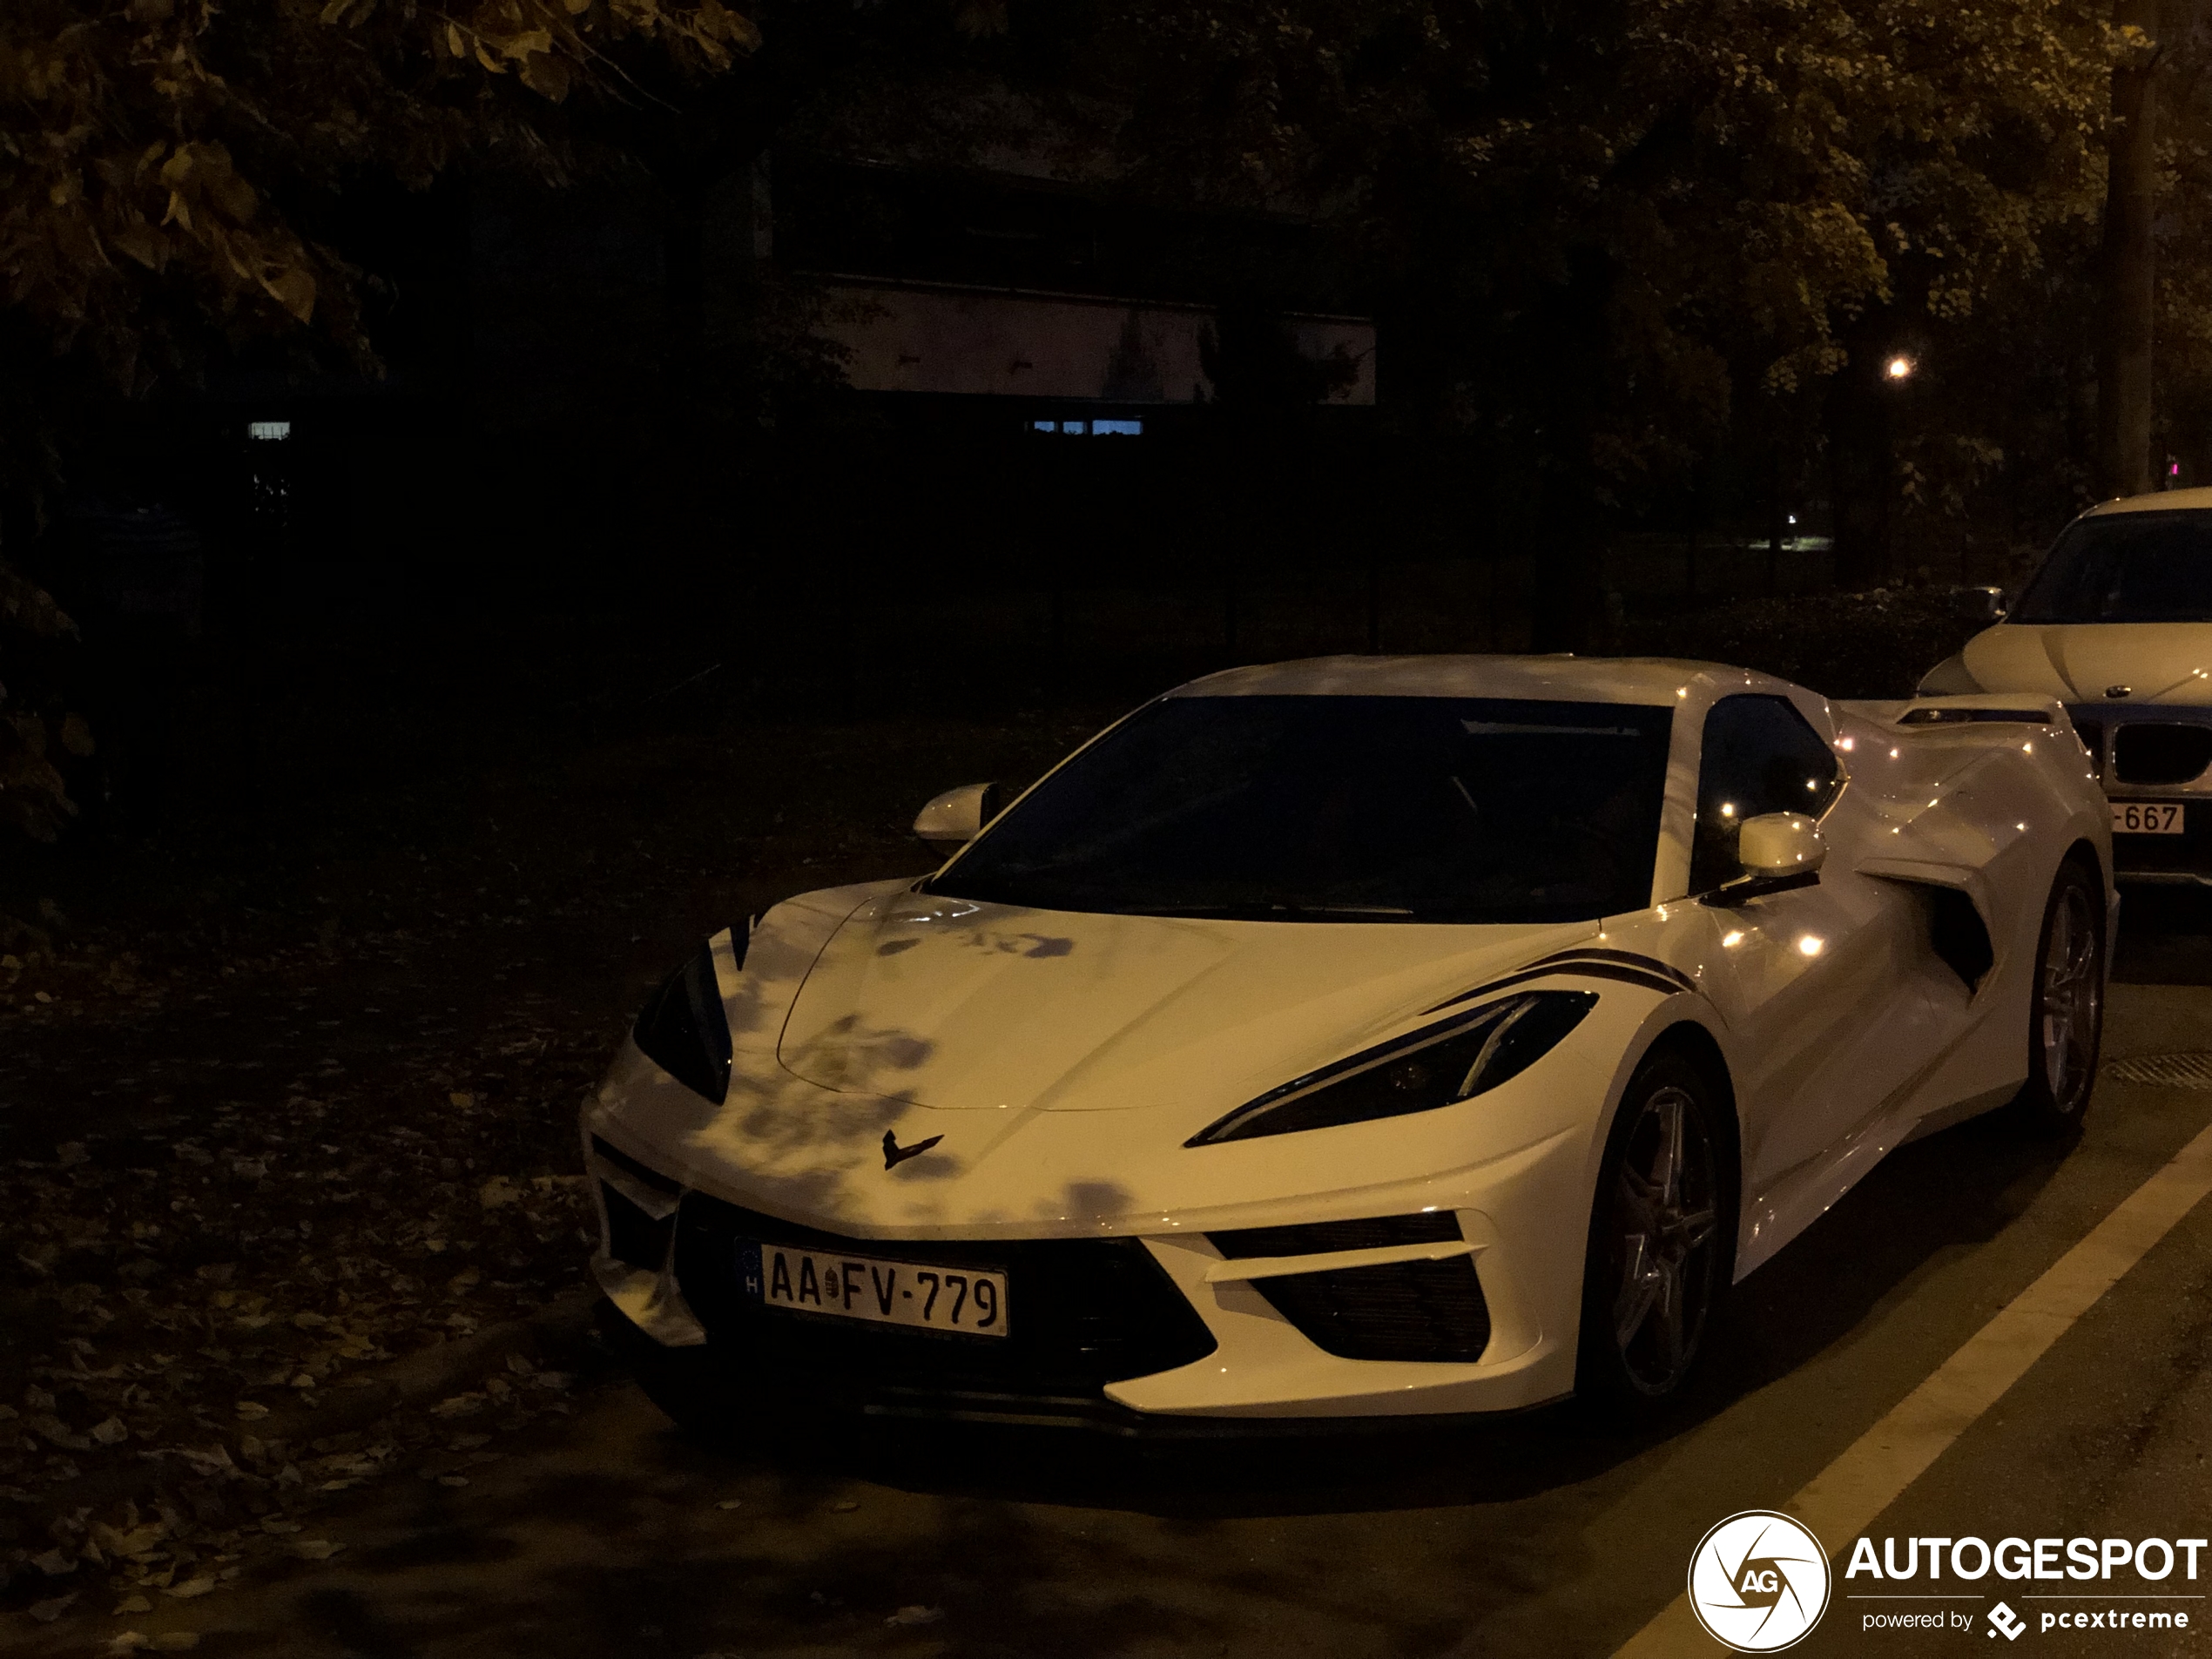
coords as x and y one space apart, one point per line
605 1533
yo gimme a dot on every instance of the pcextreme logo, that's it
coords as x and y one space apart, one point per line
1758 1582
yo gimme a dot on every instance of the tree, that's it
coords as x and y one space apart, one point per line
1684 209
2127 267
165 165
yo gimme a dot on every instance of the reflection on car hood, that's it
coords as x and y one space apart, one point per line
2158 662
950 1004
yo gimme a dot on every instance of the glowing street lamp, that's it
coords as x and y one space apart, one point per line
1898 369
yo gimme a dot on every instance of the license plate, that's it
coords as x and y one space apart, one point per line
2146 817
969 1300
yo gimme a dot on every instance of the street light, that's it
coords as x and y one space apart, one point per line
1898 369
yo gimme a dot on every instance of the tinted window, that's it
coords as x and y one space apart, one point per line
2125 567
1760 755
1342 808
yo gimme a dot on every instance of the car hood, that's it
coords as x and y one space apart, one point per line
1047 1068
2159 662
953 1005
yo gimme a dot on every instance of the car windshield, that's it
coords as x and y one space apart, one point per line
1341 809
2125 567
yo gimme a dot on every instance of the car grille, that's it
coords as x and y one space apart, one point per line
1431 1311
1080 1313
2150 754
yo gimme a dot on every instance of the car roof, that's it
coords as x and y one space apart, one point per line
1655 681
2162 501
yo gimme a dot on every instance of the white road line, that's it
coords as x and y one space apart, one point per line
1844 1498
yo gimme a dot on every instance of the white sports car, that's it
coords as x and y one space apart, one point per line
1350 1038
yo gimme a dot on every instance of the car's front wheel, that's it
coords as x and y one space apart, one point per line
2066 1005
1656 1269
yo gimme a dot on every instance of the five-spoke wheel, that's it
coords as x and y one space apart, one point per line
2066 1005
1657 1264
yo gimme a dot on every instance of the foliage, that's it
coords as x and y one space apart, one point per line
1850 645
33 729
1746 179
162 161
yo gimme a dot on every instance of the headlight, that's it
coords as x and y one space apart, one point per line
1439 1065
683 1030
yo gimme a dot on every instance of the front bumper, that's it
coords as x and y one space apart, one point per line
1175 1335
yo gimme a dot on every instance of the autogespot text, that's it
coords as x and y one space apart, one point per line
2151 1559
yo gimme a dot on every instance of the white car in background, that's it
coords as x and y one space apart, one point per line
1350 1038
2117 625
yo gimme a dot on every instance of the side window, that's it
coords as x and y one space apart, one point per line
1759 755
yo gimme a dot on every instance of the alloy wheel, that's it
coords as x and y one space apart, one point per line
1668 1220
2072 994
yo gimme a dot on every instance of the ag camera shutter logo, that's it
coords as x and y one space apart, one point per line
1758 1582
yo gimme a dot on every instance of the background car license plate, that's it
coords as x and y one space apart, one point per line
970 1300
2146 817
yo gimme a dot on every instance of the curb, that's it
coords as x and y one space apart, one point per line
557 1327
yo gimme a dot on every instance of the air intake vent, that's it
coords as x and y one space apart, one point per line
629 1166
1431 1311
633 1236
2160 754
1327 1238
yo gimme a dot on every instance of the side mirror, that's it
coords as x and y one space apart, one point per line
1778 851
952 820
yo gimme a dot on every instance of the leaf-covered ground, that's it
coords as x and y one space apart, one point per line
294 1091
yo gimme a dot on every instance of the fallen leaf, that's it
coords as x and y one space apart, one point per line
461 1100
916 1616
128 1640
132 1603
111 1430
252 1410
730 1503
47 1611
453 1480
314 1549
279 1524
136 1541
70 1153
845 1509
191 1588
53 1563
54 1429
498 1190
